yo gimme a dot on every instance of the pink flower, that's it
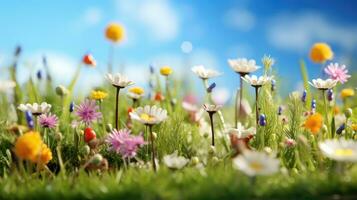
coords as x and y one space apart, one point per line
337 72
122 142
88 111
48 120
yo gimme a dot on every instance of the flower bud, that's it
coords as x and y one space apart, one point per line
313 104
96 159
71 107
280 110
215 159
268 150
61 90
324 128
303 97
108 127
211 87
154 135
340 129
330 95
212 150
29 119
58 136
39 74
348 113
86 150
262 120
195 160
273 85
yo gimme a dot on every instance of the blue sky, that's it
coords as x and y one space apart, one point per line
156 29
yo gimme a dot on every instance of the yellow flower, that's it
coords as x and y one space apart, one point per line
354 127
137 90
165 70
114 32
321 52
28 145
44 156
347 92
98 95
314 123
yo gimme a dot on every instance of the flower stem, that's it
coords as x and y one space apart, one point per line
256 105
330 134
110 58
240 101
212 127
152 148
117 109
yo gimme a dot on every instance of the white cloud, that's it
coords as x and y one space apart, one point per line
240 19
92 16
157 16
297 32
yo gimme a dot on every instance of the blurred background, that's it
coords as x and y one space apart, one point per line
179 33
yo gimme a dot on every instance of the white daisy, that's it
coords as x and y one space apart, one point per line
204 73
35 108
6 85
189 107
173 161
340 150
242 65
323 84
118 80
211 107
256 163
149 115
257 81
135 96
242 132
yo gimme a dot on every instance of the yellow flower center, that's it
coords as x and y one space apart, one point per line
137 90
98 95
147 117
344 152
257 166
165 71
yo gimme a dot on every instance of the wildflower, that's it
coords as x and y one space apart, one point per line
173 161
204 73
256 163
35 109
347 92
89 60
262 120
267 62
87 111
136 93
321 52
61 90
303 97
242 132
165 70
337 72
240 137
89 134
48 120
340 150
114 32
313 104
44 156
348 113
211 87
354 127
280 110
71 107
28 145
257 82
98 95
159 97
340 129
149 115
314 123
323 84
118 80
330 95
6 85
289 142
273 85
211 109
29 119
243 66
122 142
39 74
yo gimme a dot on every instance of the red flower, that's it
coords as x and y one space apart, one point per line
88 59
159 96
89 135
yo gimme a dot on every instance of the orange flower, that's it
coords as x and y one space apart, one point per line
321 52
314 123
114 32
44 156
159 97
28 145
89 60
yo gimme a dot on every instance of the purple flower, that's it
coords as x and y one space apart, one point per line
330 95
337 72
122 142
48 120
262 120
303 97
87 111
29 119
